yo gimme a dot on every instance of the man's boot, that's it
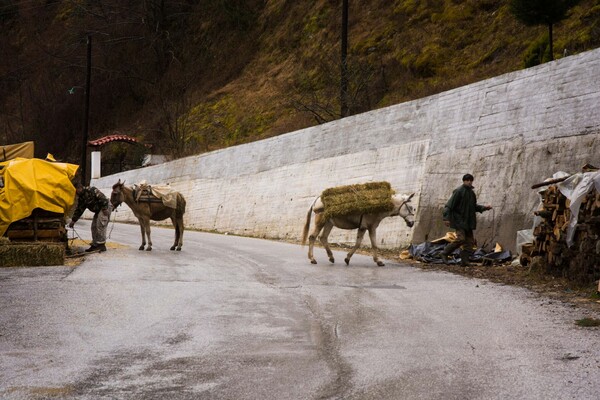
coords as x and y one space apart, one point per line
93 247
464 258
101 247
444 257
448 249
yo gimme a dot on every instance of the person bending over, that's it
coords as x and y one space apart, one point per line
94 200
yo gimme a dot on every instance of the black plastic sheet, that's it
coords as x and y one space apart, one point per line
430 253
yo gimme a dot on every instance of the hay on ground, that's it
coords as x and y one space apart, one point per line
31 254
366 198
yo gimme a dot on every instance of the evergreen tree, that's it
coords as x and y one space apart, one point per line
542 12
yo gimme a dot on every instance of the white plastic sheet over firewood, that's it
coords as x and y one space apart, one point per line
575 188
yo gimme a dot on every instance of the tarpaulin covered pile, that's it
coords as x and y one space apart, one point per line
429 252
12 151
33 183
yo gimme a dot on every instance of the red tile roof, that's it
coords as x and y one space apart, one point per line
114 138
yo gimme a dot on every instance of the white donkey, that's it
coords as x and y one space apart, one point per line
362 222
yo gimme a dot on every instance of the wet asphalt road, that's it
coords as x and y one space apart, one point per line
239 318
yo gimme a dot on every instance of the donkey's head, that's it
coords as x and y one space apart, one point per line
117 196
404 209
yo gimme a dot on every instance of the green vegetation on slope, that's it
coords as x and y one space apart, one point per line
194 76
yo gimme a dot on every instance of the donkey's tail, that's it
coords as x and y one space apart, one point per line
307 225
181 203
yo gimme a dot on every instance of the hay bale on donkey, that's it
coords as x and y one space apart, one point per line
366 198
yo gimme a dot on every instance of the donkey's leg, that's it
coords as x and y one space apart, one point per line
181 229
359 238
313 236
149 247
143 230
324 236
176 226
373 238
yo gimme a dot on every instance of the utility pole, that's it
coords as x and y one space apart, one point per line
86 113
344 66
550 39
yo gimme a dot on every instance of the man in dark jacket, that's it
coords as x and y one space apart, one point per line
459 214
94 200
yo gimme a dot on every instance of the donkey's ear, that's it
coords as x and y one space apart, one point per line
410 197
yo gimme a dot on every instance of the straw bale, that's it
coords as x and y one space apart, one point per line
31 254
366 198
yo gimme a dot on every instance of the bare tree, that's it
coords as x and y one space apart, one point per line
173 117
315 92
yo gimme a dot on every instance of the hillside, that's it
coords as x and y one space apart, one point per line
194 76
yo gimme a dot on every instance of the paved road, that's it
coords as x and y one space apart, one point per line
239 318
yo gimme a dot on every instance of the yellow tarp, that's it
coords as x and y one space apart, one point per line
34 183
12 151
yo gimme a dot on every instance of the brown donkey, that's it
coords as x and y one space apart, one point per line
152 209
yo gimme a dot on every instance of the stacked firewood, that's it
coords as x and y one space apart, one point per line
41 225
579 263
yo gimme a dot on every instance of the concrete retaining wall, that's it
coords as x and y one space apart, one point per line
510 132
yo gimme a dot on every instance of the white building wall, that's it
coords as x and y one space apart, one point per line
510 132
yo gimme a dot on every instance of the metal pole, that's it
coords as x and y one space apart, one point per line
86 113
344 66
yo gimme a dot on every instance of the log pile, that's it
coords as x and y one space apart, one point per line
41 225
38 240
579 263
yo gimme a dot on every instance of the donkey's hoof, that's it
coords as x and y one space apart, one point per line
172 248
141 247
313 261
380 264
332 260
347 260
178 249
149 248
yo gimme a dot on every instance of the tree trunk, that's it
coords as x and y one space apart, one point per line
550 42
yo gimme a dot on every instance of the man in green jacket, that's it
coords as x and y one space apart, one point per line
459 214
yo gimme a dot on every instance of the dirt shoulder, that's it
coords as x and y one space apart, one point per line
553 288
550 287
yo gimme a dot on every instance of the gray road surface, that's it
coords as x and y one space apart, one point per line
239 318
